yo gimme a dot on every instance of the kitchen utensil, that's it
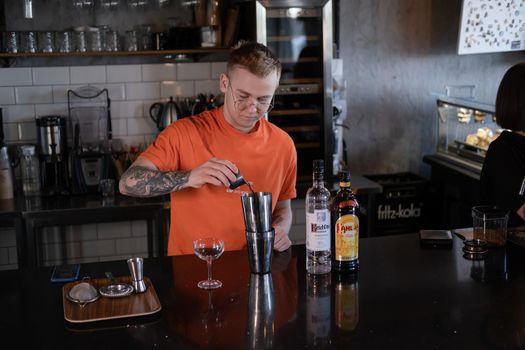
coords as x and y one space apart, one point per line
257 211
52 151
135 266
260 250
83 293
164 114
115 289
89 108
474 249
260 235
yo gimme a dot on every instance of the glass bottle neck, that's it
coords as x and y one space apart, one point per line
318 180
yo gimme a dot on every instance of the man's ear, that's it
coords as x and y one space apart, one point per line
223 83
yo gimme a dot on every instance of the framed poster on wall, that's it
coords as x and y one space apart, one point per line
491 26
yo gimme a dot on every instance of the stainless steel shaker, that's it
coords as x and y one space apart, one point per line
135 266
260 235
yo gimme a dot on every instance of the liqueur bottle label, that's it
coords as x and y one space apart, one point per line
318 230
347 238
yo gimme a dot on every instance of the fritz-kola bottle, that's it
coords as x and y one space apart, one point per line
318 260
345 227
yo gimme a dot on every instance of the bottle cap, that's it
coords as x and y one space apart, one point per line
318 164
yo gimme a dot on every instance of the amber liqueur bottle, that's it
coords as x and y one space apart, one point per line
345 227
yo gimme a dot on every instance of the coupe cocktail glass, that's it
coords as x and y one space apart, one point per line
209 249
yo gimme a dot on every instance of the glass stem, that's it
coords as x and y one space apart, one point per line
208 261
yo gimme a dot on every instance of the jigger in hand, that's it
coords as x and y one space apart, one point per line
135 266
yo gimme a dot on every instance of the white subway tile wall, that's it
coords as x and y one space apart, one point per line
27 93
177 88
50 75
7 95
88 74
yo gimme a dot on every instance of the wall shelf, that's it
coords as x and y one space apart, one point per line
117 53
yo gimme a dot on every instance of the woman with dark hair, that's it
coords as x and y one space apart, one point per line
504 167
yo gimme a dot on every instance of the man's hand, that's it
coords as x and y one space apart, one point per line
281 241
282 221
217 172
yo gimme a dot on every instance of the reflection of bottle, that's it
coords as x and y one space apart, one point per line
318 223
346 301
345 230
318 310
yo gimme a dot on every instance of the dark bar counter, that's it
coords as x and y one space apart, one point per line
405 297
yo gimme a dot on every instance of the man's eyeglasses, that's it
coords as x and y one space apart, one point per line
243 103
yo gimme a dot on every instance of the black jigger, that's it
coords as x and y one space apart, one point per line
135 266
260 235
239 180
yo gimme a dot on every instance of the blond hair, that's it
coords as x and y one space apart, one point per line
255 57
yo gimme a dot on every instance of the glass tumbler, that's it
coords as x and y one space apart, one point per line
63 41
11 42
80 41
144 34
95 41
131 40
28 42
46 42
112 41
490 224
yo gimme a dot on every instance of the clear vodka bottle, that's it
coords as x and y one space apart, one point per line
318 255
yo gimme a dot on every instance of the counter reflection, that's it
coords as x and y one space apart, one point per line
248 309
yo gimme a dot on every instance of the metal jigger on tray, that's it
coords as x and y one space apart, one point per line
135 266
257 213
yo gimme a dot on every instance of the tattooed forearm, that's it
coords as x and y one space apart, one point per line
143 182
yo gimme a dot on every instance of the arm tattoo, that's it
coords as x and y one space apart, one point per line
143 182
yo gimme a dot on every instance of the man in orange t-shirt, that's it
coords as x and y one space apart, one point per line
195 159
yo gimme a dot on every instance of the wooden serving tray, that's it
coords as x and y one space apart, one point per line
111 308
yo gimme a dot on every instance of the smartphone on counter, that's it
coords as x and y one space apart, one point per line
65 273
435 238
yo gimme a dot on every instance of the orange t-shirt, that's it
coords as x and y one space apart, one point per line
266 157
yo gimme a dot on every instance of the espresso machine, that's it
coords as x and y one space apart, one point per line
52 150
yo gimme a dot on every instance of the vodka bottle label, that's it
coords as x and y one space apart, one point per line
318 230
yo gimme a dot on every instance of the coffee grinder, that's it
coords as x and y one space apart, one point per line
52 150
